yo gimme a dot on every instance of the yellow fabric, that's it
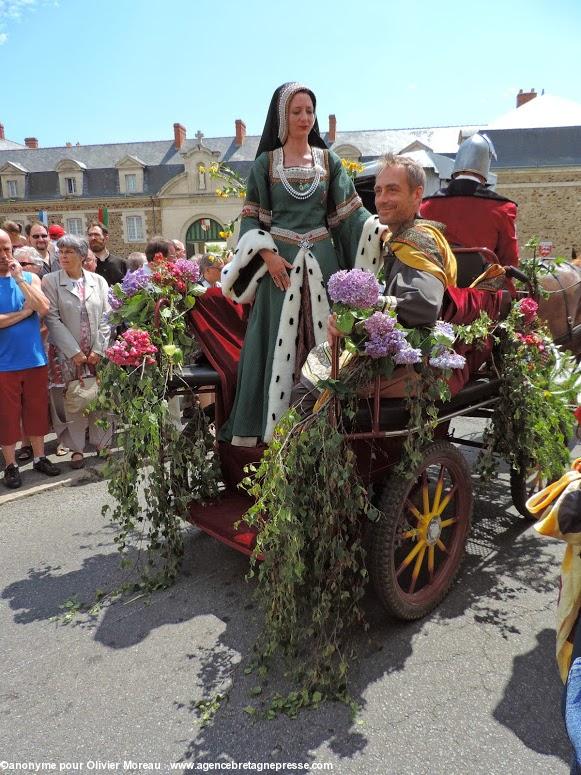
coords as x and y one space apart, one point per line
550 499
411 253
494 274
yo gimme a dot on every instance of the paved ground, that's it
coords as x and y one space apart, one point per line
470 690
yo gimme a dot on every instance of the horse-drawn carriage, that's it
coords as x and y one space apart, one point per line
416 547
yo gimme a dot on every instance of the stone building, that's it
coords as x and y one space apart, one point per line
161 187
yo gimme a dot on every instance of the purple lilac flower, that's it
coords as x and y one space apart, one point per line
407 356
114 302
385 339
443 358
189 269
135 281
379 324
445 330
354 288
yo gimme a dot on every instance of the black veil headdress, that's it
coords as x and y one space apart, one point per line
275 129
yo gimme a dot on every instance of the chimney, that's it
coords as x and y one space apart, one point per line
240 132
31 142
2 132
179 134
332 134
523 97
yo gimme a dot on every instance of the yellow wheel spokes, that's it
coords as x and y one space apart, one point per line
419 535
417 568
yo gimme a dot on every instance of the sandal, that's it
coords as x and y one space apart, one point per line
24 453
60 450
77 460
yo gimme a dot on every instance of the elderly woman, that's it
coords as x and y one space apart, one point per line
79 334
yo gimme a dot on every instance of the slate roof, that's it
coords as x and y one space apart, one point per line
534 147
371 143
543 147
7 145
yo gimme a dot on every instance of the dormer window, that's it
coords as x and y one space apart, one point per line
130 170
71 176
13 180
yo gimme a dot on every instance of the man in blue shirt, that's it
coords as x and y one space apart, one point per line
23 369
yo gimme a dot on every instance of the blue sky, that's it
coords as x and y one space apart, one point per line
122 70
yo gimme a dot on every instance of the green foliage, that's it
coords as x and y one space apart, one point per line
422 405
311 577
533 420
160 471
208 708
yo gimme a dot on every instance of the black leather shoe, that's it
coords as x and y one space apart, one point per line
46 467
12 477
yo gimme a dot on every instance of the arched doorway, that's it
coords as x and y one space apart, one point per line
201 232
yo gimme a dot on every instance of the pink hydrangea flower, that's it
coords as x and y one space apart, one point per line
528 308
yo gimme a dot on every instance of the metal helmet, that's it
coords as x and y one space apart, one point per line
474 156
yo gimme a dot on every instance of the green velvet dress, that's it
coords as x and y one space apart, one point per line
319 234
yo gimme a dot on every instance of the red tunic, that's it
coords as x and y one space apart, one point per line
482 219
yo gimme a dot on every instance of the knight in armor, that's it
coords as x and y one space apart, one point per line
474 215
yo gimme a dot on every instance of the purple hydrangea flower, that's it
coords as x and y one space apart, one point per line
189 269
135 281
354 288
114 302
443 358
407 356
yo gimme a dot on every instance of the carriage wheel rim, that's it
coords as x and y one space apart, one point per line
429 548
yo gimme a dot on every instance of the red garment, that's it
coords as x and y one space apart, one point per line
473 221
462 306
220 325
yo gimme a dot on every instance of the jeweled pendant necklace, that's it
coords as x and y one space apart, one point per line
291 190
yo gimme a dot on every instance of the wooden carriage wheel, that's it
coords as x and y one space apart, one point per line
418 543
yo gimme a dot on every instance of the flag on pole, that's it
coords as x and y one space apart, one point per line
43 217
104 216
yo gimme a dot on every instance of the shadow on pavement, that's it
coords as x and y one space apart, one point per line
213 585
533 694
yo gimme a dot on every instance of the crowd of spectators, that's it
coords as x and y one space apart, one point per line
54 331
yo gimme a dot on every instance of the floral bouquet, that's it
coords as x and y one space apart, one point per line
157 298
170 466
374 332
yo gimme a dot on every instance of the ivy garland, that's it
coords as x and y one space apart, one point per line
533 421
309 558
162 468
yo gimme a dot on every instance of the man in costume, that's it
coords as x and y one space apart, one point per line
418 264
474 215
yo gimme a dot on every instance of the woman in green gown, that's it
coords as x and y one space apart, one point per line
302 221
